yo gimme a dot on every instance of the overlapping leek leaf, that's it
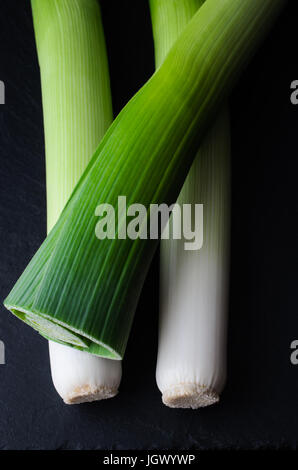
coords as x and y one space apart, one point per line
81 290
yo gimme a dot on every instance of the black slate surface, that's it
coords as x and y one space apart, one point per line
259 407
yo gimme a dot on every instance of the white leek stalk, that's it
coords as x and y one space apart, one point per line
81 377
77 111
191 365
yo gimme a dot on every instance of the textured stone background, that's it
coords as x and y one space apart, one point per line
259 406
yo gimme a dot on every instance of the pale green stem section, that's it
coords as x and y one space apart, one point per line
169 18
76 93
77 110
191 364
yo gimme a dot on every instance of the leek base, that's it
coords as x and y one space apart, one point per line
87 394
189 396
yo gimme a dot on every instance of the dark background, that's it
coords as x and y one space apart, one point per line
259 406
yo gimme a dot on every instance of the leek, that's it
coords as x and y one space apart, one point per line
77 111
80 291
191 363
